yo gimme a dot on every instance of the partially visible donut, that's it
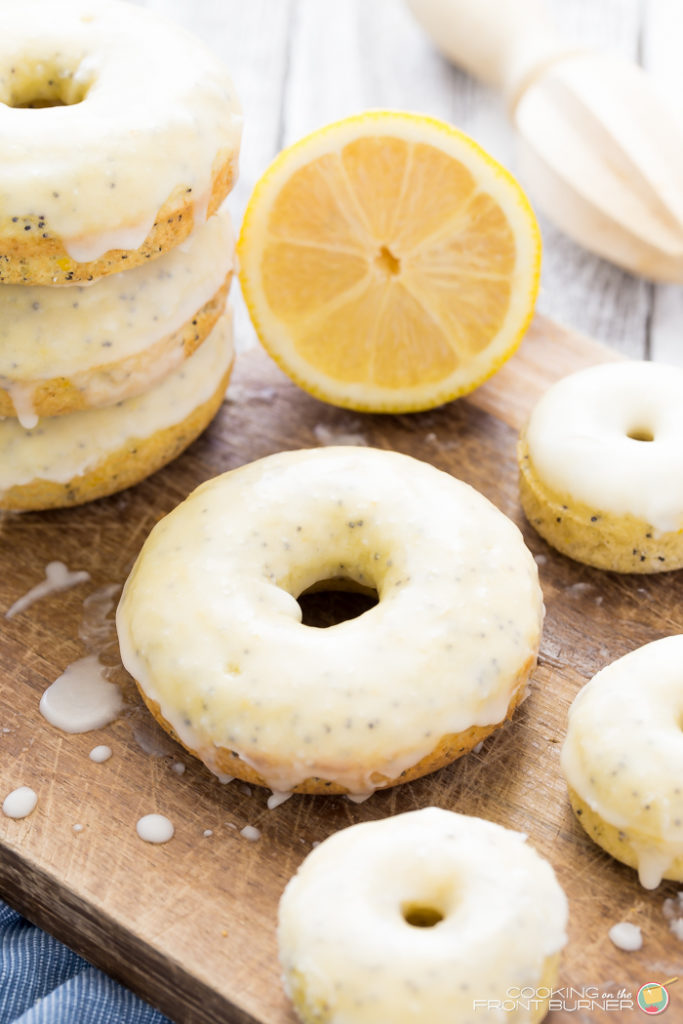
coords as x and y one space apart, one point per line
71 459
119 132
439 663
601 467
623 759
428 916
63 350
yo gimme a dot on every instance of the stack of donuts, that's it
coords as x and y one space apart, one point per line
120 138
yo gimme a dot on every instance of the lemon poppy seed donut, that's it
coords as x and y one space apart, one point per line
623 759
425 916
413 683
601 467
67 460
119 133
63 350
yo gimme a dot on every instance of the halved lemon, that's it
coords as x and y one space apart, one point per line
389 264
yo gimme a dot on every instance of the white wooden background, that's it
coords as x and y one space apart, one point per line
298 64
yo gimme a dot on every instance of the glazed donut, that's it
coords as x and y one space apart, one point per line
403 689
67 460
601 467
426 916
67 349
118 133
623 759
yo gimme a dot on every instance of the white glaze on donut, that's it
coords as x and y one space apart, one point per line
345 940
623 753
147 108
64 447
583 440
210 627
70 332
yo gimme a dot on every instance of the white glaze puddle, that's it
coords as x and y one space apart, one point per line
81 699
57 577
100 754
626 936
155 828
251 833
20 802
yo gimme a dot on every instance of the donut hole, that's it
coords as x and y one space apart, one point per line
640 434
421 915
34 85
329 602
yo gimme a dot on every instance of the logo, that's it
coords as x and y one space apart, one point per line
653 998
569 999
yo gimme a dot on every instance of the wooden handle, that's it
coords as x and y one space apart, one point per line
502 42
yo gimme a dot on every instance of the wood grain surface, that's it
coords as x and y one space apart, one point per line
190 925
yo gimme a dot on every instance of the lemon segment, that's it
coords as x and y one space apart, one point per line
388 263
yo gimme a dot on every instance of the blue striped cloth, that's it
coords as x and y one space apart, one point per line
43 982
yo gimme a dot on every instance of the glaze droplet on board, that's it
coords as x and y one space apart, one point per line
100 754
57 577
81 699
626 936
155 828
20 802
251 833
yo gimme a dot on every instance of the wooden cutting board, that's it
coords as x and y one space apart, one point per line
190 925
